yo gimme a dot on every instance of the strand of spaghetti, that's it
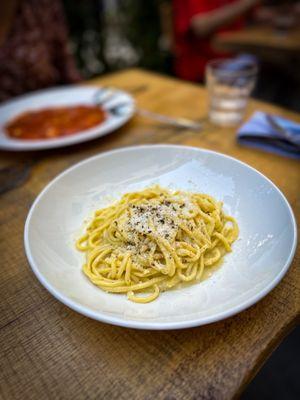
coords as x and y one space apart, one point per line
147 299
147 274
223 240
93 260
139 286
109 286
173 281
197 234
123 265
201 268
213 259
79 243
190 277
192 253
135 279
235 229
166 245
113 269
128 271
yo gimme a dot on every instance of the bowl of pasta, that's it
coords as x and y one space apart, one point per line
160 237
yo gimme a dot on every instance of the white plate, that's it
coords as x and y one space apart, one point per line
260 258
57 97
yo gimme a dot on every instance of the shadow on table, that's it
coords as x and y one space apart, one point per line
279 377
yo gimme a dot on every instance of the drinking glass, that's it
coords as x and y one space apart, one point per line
229 83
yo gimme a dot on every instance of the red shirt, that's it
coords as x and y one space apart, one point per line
191 52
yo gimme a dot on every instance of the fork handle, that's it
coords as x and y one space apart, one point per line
179 122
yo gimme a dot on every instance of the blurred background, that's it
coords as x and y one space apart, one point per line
51 42
109 35
88 38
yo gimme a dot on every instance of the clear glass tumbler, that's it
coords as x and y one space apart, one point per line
229 83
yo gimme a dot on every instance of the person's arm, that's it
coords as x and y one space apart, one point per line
205 24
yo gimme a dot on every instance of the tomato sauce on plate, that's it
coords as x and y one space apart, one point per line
50 123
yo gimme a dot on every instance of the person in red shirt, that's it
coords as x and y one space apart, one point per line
195 21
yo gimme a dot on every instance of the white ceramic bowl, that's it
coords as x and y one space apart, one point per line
260 258
58 97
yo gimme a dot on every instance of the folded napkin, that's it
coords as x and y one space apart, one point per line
271 133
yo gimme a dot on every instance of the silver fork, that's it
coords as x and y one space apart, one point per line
104 96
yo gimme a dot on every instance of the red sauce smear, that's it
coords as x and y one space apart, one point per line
50 123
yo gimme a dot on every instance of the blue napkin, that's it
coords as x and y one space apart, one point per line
259 132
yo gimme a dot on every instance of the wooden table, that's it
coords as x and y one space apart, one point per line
50 352
259 37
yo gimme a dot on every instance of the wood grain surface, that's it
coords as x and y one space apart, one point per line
260 37
48 351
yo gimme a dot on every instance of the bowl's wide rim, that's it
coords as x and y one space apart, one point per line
150 324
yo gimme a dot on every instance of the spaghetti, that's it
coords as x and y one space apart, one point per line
151 241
